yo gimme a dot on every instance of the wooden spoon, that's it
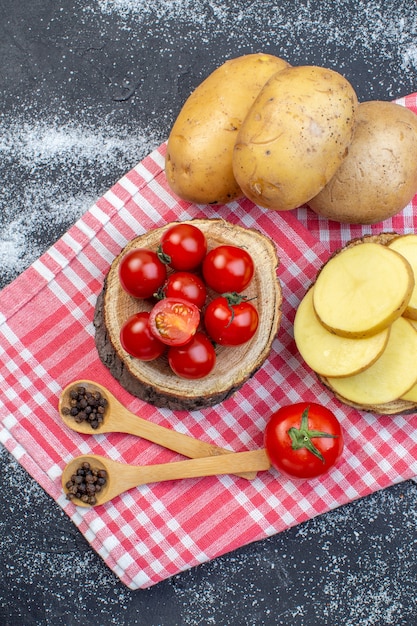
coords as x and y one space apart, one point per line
118 418
122 477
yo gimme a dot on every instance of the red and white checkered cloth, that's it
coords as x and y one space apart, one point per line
47 340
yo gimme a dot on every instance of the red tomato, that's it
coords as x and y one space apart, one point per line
183 247
228 268
230 320
174 321
141 272
194 360
186 286
303 440
137 339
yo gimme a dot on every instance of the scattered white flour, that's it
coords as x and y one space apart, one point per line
353 562
348 570
394 24
63 167
67 165
194 11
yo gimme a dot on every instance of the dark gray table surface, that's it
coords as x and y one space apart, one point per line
87 89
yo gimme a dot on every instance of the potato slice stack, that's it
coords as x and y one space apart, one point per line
356 326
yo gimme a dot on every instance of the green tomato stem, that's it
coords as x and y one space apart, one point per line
162 256
301 437
232 298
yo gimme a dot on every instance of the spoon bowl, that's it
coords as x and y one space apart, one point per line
122 477
117 418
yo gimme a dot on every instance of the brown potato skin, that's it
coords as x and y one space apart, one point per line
294 137
378 177
198 163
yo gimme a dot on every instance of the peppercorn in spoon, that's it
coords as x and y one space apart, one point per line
86 397
91 480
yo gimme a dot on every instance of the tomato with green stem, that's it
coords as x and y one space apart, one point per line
183 246
303 440
141 272
231 320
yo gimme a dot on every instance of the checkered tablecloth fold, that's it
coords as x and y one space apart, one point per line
47 340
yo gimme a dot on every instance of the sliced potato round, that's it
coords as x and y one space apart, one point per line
390 377
411 395
329 354
406 245
413 322
362 290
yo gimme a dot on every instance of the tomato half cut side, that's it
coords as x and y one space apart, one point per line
303 440
230 320
174 321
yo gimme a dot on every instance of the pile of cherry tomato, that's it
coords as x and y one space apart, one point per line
181 320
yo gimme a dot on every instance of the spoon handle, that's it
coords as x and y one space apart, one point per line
125 477
170 439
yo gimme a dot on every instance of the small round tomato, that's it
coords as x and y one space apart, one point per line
194 360
141 272
174 321
186 286
183 247
228 268
137 339
231 320
303 440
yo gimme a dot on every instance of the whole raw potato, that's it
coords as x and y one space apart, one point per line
198 163
294 137
378 178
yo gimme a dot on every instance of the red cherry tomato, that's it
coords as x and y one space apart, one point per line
186 286
174 321
303 440
228 268
194 360
141 272
230 320
137 339
183 247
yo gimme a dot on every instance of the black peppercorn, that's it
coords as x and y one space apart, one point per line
85 483
86 406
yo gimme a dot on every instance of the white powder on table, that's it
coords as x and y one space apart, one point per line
358 568
296 32
50 177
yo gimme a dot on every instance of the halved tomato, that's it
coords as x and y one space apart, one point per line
174 321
